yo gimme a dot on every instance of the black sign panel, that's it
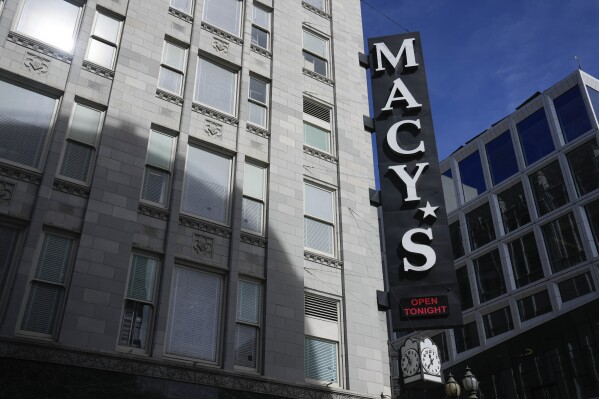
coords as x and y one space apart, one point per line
418 247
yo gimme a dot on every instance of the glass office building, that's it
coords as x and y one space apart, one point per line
523 205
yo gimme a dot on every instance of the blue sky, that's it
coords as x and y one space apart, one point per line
486 57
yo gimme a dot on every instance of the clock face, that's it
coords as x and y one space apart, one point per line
410 363
431 362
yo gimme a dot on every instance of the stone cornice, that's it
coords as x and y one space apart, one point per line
323 260
71 188
180 14
258 131
20 174
214 114
152 211
320 154
262 51
221 33
253 240
318 77
316 10
40 47
98 70
170 97
207 227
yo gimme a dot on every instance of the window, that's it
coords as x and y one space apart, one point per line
526 262
317 126
489 276
514 211
319 219
549 188
104 41
247 330
206 187
252 212
321 360
584 164
261 27
498 322
82 140
194 314
451 202
224 14
572 114
441 341
535 136
464 287
594 97
480 226
319 4
563 243
466 337
139 303
473 179
215 86
172 68
159 163
456 240
576 287
54 22
502 158
592 211
534 306
182 5
22 132
258 102
9 241
48 285
316 53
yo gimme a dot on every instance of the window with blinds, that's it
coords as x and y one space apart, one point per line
81 143
223 14
48 285
247 330
319 219
9 239
321 307
258 102
139 303
194 315
104 41
316 53
215 86
319 4
206 187
182 5
172 67
252 212
317 126
159 164
320 358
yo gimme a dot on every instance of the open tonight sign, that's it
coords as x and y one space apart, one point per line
421 274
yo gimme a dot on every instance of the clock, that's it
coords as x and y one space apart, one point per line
430 361
410 362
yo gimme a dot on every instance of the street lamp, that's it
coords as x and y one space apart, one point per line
452 388
470 383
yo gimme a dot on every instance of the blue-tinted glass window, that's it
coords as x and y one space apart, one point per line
535 137
594 96
572 114
473 179
502 158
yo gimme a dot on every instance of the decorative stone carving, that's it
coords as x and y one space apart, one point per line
261 51
19 174
180 14
98 70
202 245
318 77
221 33
40 47
205 226
323 260
320 154
258 131
220 46
214 114
65 208
36 64
71 188
253 240
152 211
149 231
6 191
213 129
316 10
170 97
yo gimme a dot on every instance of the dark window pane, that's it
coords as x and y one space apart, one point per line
451 202
259 37
576 287
572 114
489 276
315 64
526 262
498 322
535 137
593 215
534 305
594 96
456 240
584 163
480 226
441 341
466 337
563 243
464 286
549 188
502 158
473 179
135 324
514 210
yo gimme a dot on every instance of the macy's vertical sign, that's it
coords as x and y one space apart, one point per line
417 244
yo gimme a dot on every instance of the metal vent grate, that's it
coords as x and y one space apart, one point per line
323 308
318 111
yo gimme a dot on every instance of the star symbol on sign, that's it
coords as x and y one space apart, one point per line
429 210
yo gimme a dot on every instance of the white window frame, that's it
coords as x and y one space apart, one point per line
264 105
169 171
262 200
93 146
187 12
239 21
235 90
319 123
332 223
115 44
164 65
326 58
256 325
265 29
64 287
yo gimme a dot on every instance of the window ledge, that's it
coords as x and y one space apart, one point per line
205 226
71 188
323 260
170 97
212 113
152 211
20 174
320 154
221 33
262 51
98 70
318 77
180 14
315 10
258 131
254 240
40 47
